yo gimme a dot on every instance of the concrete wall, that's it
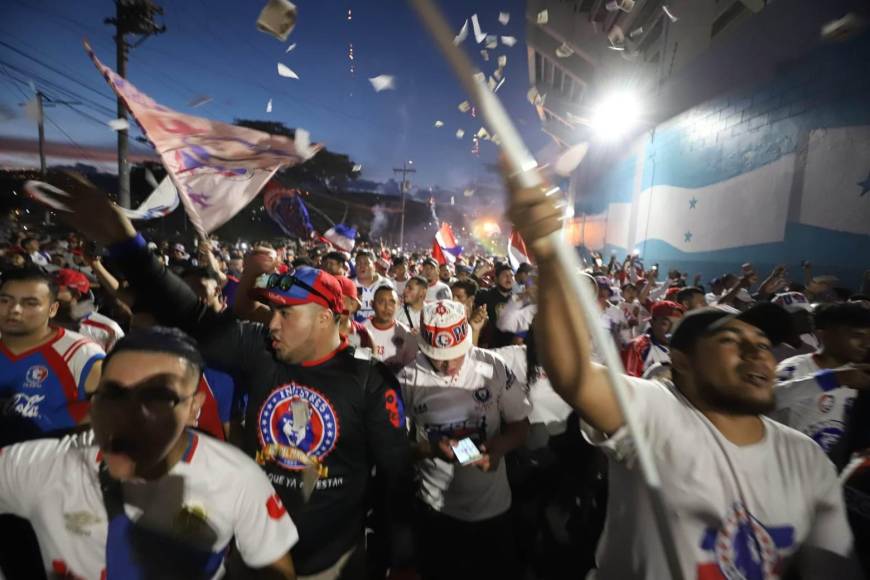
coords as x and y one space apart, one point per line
771 172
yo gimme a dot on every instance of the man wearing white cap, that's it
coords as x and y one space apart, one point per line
454 391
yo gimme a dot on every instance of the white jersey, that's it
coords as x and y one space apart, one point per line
367 295
101 329
784 485
213 494
395 346
548 407
471 404
811 400
438 291
516 316
409 317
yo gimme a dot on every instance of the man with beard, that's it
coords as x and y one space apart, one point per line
413 299
495 299
142 496
76 311
295 364
745 496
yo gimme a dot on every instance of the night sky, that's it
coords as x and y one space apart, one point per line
213 49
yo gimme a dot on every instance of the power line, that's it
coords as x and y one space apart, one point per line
72 141
55 70
67 93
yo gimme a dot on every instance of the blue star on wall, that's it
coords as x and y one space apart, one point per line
865 185
687 237
693 202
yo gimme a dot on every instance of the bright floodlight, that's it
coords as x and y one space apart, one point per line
615 115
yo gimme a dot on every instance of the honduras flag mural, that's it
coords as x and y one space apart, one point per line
773 174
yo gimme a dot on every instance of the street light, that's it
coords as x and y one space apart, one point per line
615 115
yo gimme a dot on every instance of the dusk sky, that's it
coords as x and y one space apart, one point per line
213 49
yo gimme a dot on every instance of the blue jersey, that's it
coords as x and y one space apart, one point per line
45 387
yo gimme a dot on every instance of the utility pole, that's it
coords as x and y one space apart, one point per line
406 186
41 123
131 17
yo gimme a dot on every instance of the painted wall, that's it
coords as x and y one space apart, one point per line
778 172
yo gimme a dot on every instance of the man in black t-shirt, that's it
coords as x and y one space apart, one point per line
494 299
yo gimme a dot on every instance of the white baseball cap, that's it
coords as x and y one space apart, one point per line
793 301
444 331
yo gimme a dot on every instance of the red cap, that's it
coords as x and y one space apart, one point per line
672 292
72 279
348 288
305 286
666 308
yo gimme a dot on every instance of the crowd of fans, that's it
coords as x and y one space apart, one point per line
284 408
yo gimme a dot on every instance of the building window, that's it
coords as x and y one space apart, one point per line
539 67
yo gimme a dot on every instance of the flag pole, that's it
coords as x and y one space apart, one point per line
522 165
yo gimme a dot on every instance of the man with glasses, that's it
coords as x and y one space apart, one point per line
142 496
299 376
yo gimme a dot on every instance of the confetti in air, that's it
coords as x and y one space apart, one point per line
508 40
269 106
504 18
439 124
383 83
286 71
119 124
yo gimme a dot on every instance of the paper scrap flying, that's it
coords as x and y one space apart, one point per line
491 41
543 17
485 54
508 40
482 134
843 28
468 192
269 106
497 74
464 106
460 133
668 13
502 61
478 35
564 51
504 18
199 101
357 168
463 34
277 18
383 83
286 71
500 83
119 124
291 47
439 124
570 159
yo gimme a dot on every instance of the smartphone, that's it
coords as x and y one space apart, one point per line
466 451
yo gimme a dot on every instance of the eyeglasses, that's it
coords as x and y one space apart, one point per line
286 281
156 400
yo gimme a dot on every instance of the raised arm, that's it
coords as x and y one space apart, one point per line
560 325
259 261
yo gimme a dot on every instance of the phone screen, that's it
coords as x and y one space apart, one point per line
466 451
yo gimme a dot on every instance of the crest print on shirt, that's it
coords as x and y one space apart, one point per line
297 427
744 548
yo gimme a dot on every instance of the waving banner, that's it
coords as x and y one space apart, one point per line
445 248
286 208
162 202
218 168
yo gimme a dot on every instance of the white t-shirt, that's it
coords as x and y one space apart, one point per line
395 346
472 404
213 494
811 400
548 407
409 317
399 285
438 291
101 329
785 482
367 295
